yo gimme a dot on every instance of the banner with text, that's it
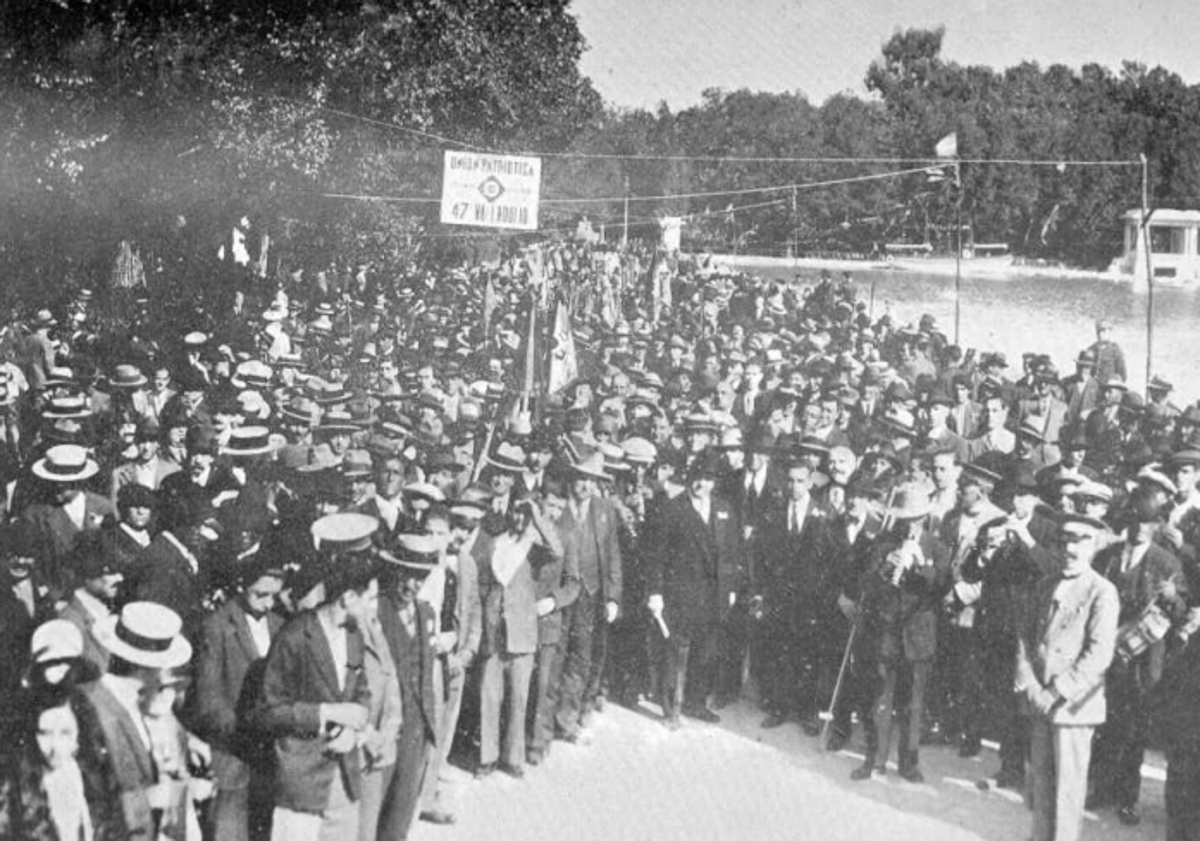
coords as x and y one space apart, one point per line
491 191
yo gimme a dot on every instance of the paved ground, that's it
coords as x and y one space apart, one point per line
639 782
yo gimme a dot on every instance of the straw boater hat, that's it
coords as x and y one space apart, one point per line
338 421
147 634
67 407
127 376
344 532
246 441
416 552
65 463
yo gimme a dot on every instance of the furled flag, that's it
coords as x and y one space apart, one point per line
489 306
564 367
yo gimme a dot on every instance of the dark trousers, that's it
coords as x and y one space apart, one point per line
1183 791
860 687
628 658
901 695
999 703
691 666
586 635
958 693
404 790
547 689
1120 743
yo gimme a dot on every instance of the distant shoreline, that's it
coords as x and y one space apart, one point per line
980 268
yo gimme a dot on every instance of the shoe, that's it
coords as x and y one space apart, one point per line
1129 815
514 771
773 720
702 714
437 816
913 774
485 770
672 723
534 757
968 748
837 741
865 771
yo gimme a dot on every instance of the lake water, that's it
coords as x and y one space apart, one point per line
1052 316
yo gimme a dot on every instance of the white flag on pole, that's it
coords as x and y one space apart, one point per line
947 147
564 366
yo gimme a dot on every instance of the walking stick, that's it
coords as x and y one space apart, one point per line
841 678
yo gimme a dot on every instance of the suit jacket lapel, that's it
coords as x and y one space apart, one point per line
319 645
238 619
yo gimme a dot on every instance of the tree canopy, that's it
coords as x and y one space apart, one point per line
165 123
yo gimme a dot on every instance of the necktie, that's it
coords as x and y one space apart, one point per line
449 602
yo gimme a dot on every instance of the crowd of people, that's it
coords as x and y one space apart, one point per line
279 552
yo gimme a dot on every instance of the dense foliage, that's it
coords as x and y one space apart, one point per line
165 123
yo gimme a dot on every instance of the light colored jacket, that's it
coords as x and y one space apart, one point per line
1067 644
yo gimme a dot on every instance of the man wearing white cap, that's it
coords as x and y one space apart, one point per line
1063 652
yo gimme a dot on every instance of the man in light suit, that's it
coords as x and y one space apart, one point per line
508 587
590 528
694 574
145 641
1063 653
234 642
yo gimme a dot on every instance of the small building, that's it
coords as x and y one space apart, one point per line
1174 237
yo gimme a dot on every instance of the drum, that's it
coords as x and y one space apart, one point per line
1134 638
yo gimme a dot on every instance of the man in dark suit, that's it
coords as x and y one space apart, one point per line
902 593
410 628
1145 574
74 509
695 571
590 526
234 642
793 585
314 699
174 569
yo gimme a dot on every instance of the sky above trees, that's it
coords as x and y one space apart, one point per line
672 50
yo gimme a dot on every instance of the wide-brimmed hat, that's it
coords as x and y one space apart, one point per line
344 532
356 463
507 457
127 376
55 641
589 467
43 318
146 634
909 503
65 463
1114 381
